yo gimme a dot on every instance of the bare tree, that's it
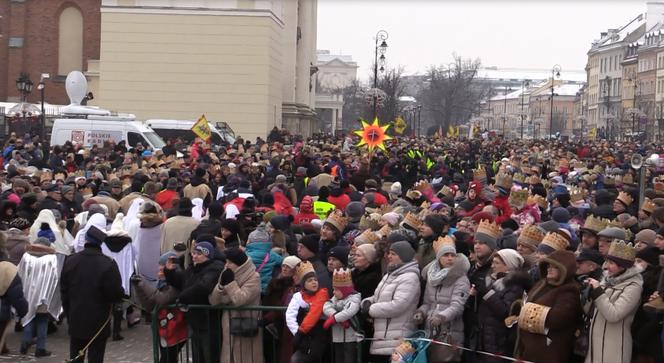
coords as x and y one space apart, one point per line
354 104
452 94
393 86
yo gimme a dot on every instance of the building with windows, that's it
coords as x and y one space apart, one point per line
335 72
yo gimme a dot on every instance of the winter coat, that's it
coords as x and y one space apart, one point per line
304 316
392 307
177 229
447 298
89 283
494 336
343 310
146 246
615 302
366 281
196 282
257 252
478 276
244 290
425 253
150 295
11 292
17 241
646 329
562 321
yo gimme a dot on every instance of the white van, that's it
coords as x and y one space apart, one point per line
89 125
168 129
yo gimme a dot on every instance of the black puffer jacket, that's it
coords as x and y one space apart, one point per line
196 282
366 281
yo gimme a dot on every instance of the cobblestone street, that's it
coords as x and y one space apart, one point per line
136 347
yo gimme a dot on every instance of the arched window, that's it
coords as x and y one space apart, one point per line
70 41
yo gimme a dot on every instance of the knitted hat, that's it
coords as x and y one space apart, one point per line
307 204
391 218
311 242
281 222
404 250
560 215
646 236
291 261
231 225
354 211
258 235
621 253
19 223
436 223
43 241
205 248
395 188
649 254
592 255
235 255
368 251
550 226
163 258
95 235
444 245
512 259
340 253
172 184
46 233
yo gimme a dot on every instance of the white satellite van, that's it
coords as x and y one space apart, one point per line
89 125
167 129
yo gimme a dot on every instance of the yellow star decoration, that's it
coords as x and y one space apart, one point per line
373 135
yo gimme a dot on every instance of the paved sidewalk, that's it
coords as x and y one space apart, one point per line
136 347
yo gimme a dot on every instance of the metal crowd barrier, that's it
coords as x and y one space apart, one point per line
204 343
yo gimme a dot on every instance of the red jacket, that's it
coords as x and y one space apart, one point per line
505 211
340 202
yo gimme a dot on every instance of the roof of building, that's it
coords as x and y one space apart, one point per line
324 56
516 74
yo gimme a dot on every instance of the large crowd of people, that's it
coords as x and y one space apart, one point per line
485 249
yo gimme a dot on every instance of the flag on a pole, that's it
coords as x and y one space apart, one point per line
202 129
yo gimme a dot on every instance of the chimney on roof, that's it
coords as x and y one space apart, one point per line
655 14
602 34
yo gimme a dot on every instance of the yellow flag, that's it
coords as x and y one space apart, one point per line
202 129
399 125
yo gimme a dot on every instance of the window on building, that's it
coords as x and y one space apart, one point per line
70 41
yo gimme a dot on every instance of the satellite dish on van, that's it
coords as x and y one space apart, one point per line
76 86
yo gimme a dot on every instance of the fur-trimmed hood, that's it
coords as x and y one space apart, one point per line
149 220
520 278
565 261
38 250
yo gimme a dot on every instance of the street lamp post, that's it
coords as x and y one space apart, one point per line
40 87
419 120
381 48
525 84
507 90
555 72
24 86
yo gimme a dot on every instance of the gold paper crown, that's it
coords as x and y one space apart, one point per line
79 173
46 176
620 249
538 200
531 235
366 237
533 179
518 197
533 318
442 241
412 221
337 220
422 185
609 180
519 178
576 194
504 180
618 224
446 191
59 176
628 179
384 231
302 269
404 350
556 241
479 174
625 198
489 228
413 194
648 205
385 208
342 278
595 225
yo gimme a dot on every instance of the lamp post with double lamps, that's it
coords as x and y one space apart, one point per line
381 48
555 72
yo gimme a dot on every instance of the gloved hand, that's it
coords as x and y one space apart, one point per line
298 339
366 304
329 322
135 279
227 276
437 321
418 317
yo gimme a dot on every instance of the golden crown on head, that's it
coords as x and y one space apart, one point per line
628 179
595 224
622 250
648 205
385 208
412 220
519 197
491 229
337 220
302 269
442 241
446 191
342 278
531 234
46 176
425 205
519 178
537 200
533 179
625 198
576 194
609 180
504 180
366 237
384 231
479 174
59 176
422 185
555 240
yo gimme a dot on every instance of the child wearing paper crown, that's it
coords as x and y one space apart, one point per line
340 309
304 316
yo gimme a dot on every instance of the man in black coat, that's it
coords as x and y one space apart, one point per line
90 285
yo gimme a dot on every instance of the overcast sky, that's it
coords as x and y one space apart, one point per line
521 34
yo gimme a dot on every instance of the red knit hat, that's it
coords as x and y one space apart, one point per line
307 204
